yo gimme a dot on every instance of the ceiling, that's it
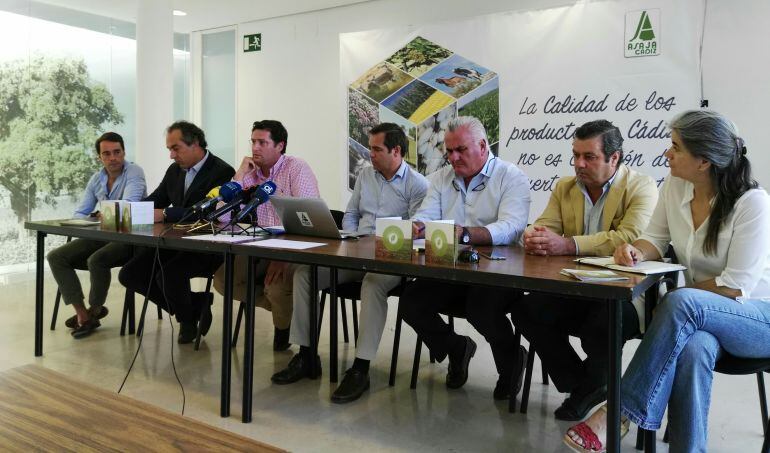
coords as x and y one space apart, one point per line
205 14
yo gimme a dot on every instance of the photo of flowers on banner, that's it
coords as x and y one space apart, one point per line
421 87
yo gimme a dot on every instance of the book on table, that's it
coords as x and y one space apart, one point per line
645 267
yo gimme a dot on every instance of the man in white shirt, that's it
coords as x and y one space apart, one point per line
488 199
389 188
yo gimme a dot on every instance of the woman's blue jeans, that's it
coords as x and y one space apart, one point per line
674 363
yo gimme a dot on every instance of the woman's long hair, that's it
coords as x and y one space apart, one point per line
710 136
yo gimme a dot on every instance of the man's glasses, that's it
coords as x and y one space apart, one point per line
478 188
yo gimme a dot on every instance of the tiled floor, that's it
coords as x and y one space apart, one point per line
300 417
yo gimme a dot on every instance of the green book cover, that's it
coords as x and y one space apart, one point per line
440 243
393 239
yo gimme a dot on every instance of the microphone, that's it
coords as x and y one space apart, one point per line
225 193
233 195
260 196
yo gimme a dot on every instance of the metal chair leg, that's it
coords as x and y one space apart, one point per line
766 443
55 309
344 308
394 355
140 327
322 305
527 382
762 400
639 439
238 320
57 301
355 321
416 363
127 320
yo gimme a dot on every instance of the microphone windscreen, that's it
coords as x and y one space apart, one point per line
213 193
229 190
268 187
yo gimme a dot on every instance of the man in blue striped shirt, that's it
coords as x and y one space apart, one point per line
389 188
117 180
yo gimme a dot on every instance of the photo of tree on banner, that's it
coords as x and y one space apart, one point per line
381 81
484 104
362 116
457 76
418 56
417 101
52 114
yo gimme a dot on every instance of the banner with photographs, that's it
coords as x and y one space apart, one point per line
532 78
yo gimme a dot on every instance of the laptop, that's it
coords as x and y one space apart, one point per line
308 217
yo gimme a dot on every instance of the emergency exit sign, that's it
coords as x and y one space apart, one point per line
252 43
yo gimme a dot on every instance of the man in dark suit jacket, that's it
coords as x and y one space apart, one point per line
193 174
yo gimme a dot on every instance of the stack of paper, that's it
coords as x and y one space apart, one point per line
645 267
593 276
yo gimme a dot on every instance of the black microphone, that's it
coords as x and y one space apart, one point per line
260 196
236 200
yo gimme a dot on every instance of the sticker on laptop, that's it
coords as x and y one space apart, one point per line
304 219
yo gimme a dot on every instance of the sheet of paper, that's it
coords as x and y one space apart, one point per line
79 222
286 244
221 238
142 212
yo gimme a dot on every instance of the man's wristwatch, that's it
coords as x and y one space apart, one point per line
465 236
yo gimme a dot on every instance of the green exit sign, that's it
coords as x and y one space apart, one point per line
252 43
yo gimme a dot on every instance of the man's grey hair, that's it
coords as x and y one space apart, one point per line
473 125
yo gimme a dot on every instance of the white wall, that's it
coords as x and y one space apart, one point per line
295 78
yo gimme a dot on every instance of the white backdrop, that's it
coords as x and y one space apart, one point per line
550 60
296 77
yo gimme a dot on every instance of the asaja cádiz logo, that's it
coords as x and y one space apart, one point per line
642 38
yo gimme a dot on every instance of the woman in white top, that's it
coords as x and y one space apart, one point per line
717 219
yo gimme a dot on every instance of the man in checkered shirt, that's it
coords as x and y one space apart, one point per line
293 177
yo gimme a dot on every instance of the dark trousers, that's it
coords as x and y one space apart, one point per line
170 286
548 322
483 307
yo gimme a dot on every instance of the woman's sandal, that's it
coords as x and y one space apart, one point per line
582 438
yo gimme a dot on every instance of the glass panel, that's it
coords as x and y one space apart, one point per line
68 77
218 93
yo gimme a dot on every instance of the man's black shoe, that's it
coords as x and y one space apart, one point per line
353 385
457 374
281 339
86 328
187 332
577 405
503 386
94 312
298 368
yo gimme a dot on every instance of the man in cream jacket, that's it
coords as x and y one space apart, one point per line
604 205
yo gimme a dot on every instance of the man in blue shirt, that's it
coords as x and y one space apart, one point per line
389 188
117 180
488 199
